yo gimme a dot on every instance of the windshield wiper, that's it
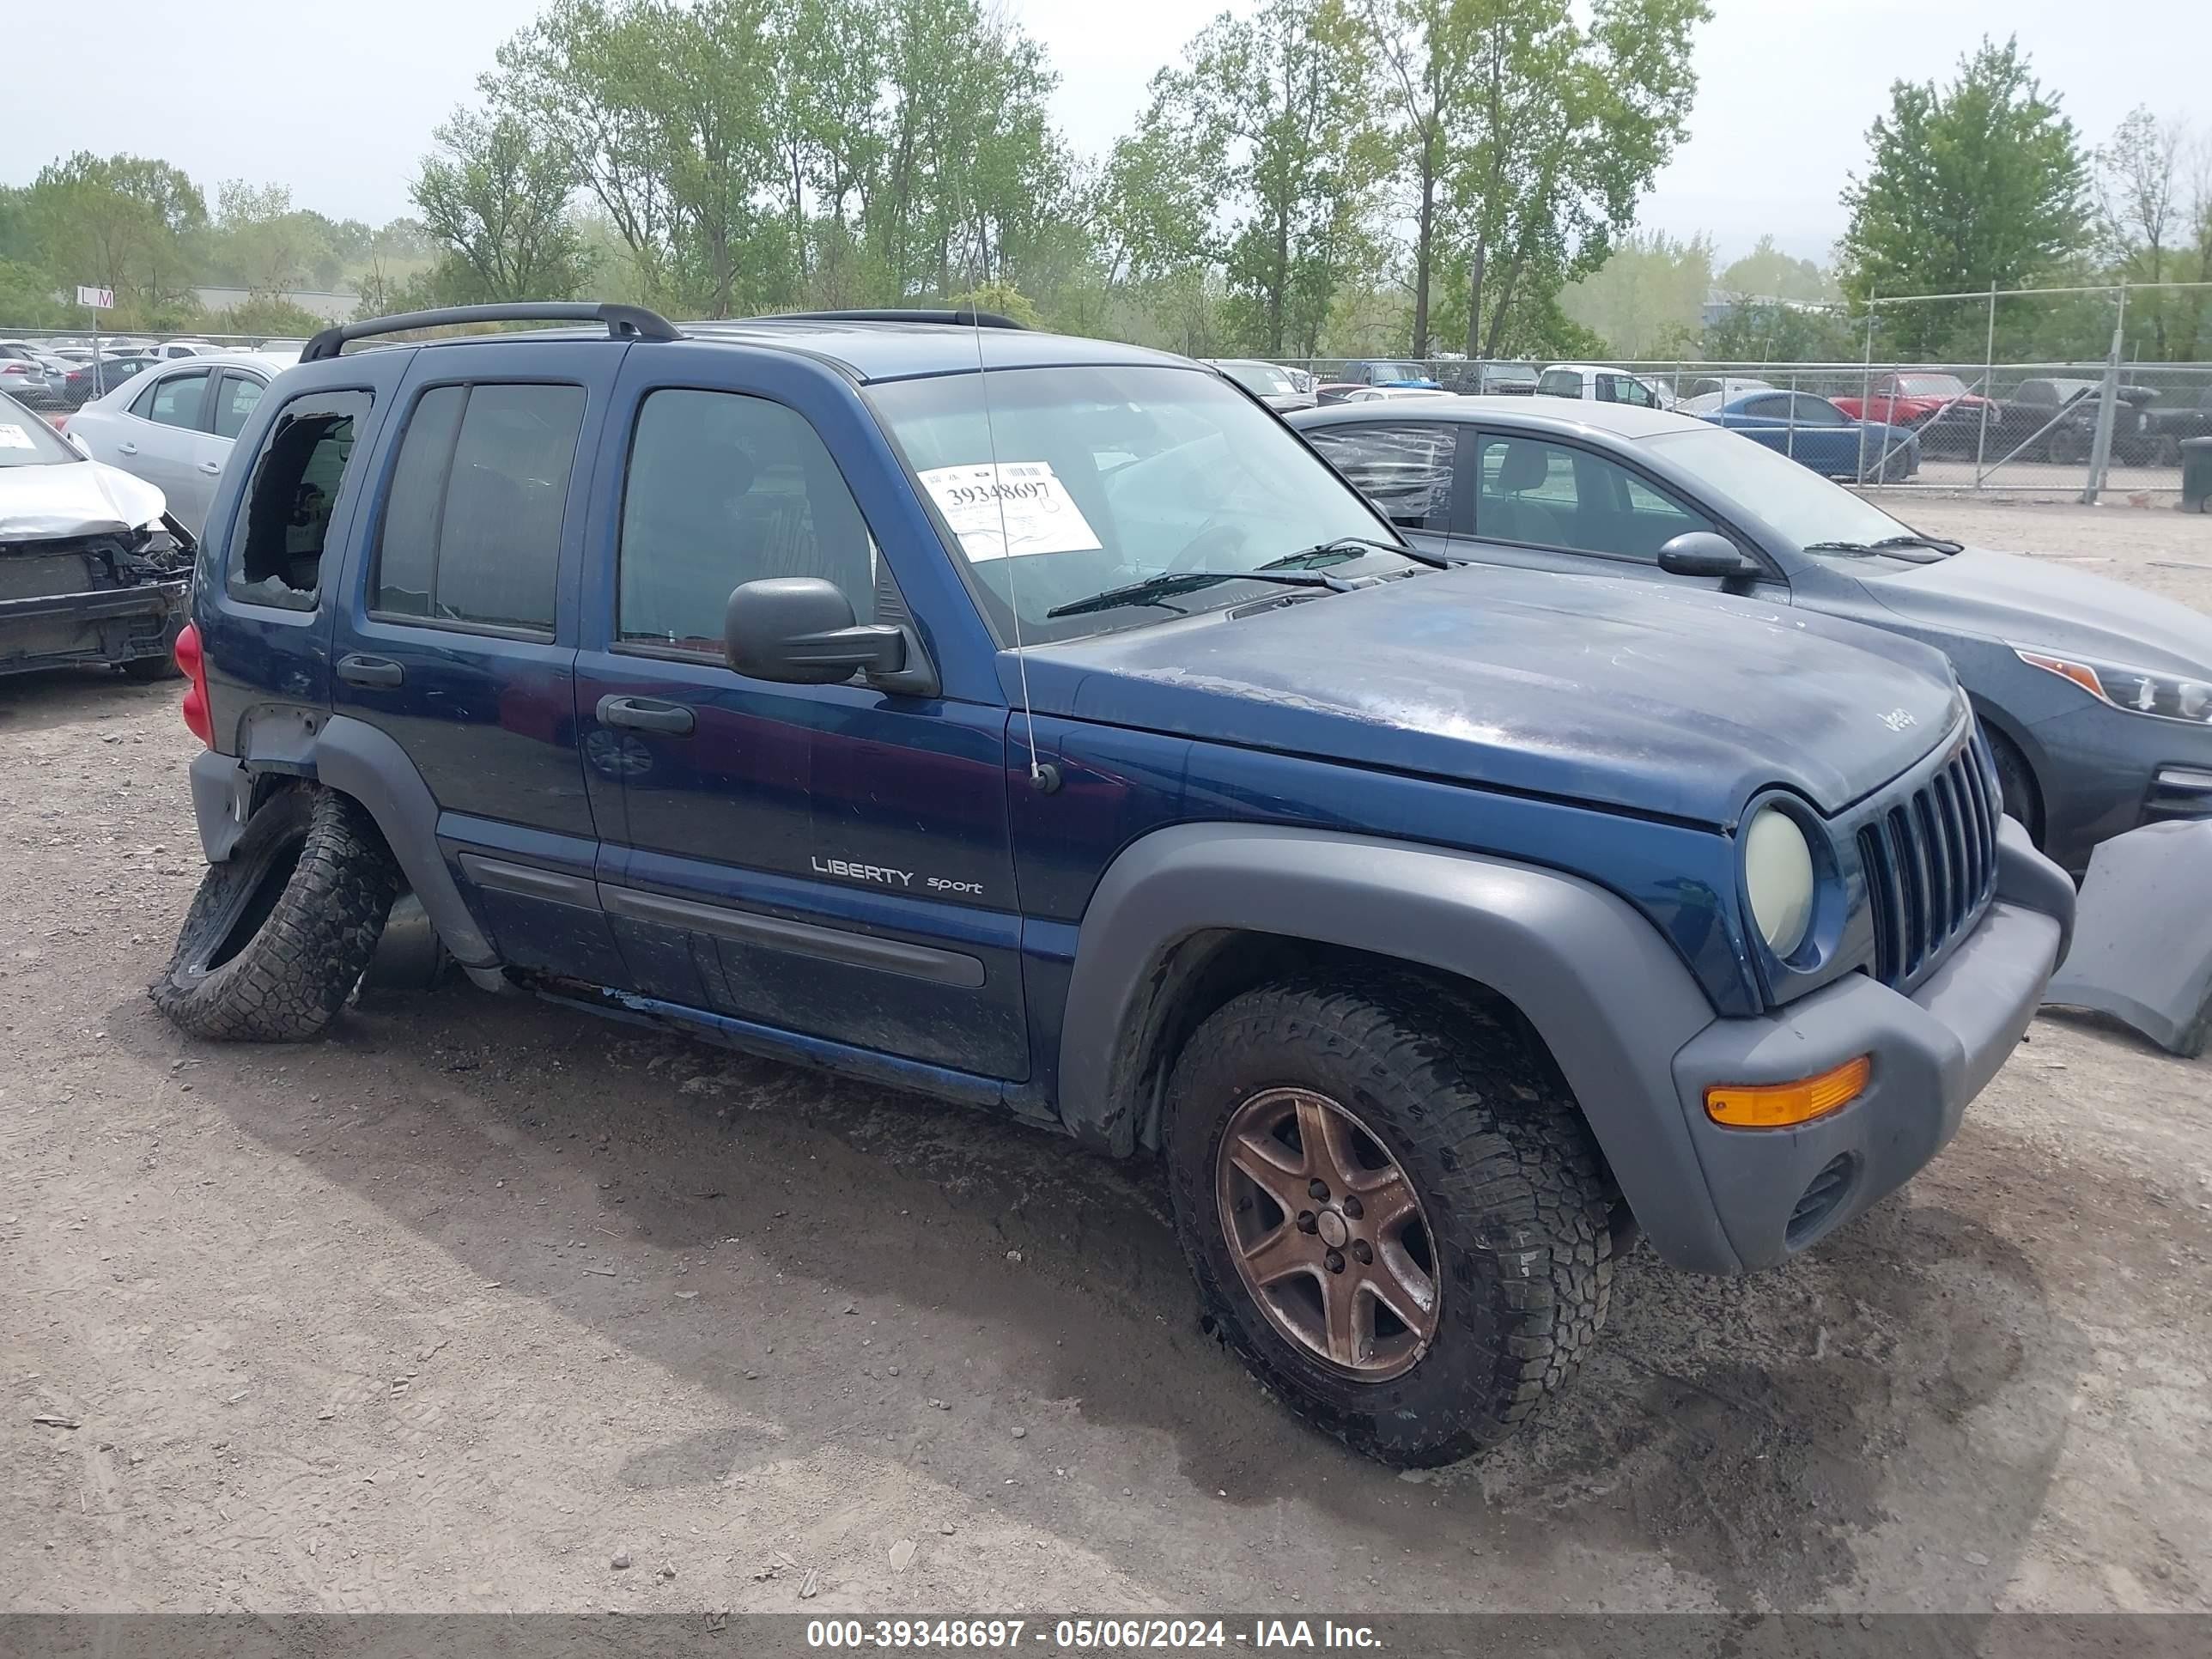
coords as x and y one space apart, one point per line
1887 544
1169 583
1303 558
1936 543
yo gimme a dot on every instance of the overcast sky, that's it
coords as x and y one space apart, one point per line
338 101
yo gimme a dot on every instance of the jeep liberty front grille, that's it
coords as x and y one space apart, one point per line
1931 864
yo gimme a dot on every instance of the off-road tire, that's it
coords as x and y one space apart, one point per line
280 933
1517 1201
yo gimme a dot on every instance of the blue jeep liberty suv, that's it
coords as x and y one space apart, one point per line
1039 723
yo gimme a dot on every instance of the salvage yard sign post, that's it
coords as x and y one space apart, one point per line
96 299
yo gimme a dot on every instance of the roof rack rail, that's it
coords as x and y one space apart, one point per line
963 318
623 322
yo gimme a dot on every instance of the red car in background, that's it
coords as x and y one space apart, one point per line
1937 406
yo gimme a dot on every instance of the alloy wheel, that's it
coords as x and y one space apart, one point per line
1328 1234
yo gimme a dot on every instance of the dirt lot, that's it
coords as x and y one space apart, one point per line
475 1301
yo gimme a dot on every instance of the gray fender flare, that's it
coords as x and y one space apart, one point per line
1603 989
368 765
356 758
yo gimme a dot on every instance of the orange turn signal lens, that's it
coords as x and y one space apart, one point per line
1784 1105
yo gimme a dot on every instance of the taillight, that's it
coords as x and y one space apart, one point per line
13 368
198 720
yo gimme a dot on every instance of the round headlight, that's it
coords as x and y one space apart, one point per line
1777 875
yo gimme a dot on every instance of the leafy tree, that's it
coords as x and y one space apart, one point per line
27 298
2143 224
1273 114
747 152
270 316
499 205
121 222
1780 332
1977 184
1767 273
261 243
1563 128
1424 50
1654 285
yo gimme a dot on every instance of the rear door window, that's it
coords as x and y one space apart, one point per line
472 532
1404 468
300 473
174 400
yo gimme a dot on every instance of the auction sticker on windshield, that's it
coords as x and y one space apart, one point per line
1013 508
13 437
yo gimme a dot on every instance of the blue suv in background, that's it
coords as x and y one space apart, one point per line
1038 723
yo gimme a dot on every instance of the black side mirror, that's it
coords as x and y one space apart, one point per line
1704 553
799 630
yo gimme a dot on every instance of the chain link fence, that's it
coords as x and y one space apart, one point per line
2081 392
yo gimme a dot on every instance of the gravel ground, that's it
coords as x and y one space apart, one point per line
482 1305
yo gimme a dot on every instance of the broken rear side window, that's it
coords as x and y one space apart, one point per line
278 540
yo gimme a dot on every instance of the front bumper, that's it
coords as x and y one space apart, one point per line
1775 1191
100 625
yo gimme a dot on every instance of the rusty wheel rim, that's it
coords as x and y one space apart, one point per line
1328 1234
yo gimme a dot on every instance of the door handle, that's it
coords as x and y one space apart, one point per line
213 469
647 715
126 448
370 671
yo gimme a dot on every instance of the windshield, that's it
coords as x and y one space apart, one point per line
1265 379
1801 504
27 440
1107 476
1399 371
1931 385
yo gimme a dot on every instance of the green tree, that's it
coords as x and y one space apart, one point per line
1977 184
1273 114
498 204
1425 51
122 222
1652 288
2143 226
1781 332
261 243
1767 273
1563 128
749 153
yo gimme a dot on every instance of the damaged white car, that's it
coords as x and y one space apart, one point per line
93 570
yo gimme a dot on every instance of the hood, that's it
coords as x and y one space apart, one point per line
73 498
2043 604
1623 694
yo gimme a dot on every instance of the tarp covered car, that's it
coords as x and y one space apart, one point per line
92 569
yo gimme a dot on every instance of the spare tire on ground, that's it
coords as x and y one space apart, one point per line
280 933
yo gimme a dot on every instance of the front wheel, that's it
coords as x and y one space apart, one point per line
1395 1214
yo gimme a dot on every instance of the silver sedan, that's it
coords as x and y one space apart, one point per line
173 425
